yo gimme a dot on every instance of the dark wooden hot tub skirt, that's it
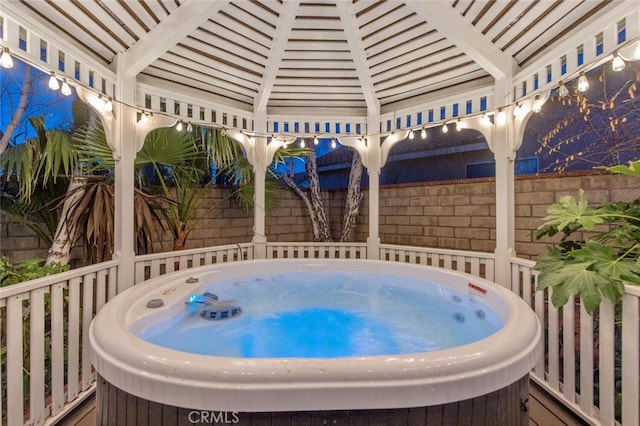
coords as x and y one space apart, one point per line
506 406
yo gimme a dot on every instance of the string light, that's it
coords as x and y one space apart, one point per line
537 104
501 118
303 144
179 126
144 118
459 126
445 129
315 140
618 63
252 139
54 84
5 59
108 105
583 83
562 90
486 119
423 133
65 89
189 127
517 110
333 143
411 136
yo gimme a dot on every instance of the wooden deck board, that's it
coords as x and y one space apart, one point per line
543 411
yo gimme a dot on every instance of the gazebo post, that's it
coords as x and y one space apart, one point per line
504 154
374 166
124 156
504 142
260 159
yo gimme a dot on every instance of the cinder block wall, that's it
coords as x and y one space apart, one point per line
452 214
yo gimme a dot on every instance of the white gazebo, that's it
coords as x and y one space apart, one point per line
272 71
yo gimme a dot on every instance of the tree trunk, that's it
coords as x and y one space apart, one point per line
354 197
313 202
66 233
317 205
25 91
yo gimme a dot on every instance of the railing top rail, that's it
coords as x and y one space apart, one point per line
522 262
480 254
162 255
317 243
27 286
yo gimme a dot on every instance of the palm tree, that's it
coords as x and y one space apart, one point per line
34 175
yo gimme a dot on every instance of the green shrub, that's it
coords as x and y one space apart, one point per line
26 270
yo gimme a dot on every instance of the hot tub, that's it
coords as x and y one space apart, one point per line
463 378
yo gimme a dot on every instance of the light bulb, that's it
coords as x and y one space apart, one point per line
501 118
54 84
562 90
6 61
179 126
252 139
189 127
315 140
517 110
486 119
66 89
537 104
618 63
459 125
583 83
285 145
143 118
303 144
333 143
411 136
445 129
423 133
108 105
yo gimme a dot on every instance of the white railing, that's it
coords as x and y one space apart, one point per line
152 265
316 251
480 264
37 386
592 363
45 365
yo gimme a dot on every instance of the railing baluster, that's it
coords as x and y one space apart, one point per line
586 361
606 361
73 347
539 300
15 398
87 316
569 351
630 360
36 355
553 365
57 348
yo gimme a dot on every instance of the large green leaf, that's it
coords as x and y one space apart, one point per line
91 144
568 211
167 147
633 169
573 279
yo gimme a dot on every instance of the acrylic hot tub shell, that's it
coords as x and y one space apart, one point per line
201 382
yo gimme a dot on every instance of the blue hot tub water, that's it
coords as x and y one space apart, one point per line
328 315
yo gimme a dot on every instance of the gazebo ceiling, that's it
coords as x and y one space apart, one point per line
346 56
